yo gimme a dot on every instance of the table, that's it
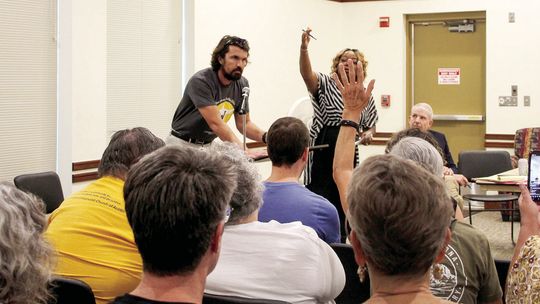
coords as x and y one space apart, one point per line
507 181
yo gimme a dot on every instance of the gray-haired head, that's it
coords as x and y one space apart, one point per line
420 151
247 197
424 106
25 256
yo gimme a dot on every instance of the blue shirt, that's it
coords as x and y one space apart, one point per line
287 202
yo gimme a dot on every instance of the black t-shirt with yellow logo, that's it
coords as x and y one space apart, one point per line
204 89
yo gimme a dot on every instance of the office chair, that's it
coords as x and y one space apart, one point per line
525 141
217 299
474 164
354 291
45 185
70 291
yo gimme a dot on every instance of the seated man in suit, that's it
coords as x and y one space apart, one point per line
285 199
177 203
286 262
90 231
422 118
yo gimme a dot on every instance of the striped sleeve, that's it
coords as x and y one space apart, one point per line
369 116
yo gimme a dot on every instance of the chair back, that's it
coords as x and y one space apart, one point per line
473 164
525 141
217 299
69 291
354 291
45 185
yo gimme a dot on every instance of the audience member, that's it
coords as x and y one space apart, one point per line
327 105
176 204
285 200
90 231
422 118
286 262
383 196
467 274
452 186
523 282
25 256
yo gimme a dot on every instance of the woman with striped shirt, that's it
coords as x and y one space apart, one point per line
328 105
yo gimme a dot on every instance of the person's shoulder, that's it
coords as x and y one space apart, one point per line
294 230
205 75
436 133
467 232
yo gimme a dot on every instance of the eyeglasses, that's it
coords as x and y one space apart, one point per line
228 212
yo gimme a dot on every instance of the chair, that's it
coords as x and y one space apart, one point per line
502 271
217 299
473 164
354 291
45 185
525 141
69 291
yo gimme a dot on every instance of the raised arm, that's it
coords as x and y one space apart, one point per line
355 99
310 78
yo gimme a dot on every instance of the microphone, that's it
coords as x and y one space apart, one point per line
245 94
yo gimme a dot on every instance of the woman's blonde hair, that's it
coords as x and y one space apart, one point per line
359 55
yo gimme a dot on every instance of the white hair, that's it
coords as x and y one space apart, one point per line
421 152
426 107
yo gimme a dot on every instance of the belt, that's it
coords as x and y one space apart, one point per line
189 139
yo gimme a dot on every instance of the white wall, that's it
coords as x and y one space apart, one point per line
273 29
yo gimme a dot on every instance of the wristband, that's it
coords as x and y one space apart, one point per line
350 123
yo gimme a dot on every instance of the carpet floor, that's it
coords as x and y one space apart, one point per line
497 232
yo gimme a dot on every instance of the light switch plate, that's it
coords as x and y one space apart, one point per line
527 101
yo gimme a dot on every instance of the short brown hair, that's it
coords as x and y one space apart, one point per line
400 214
287 139
223 47
175 199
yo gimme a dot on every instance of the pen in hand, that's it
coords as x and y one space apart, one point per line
309 34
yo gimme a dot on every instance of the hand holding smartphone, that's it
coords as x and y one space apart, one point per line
533 181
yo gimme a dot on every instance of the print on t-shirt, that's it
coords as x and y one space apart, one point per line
226 108
453 272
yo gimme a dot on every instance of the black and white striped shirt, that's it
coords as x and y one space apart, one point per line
328 108
327 111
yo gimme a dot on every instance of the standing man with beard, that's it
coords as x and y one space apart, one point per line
212 96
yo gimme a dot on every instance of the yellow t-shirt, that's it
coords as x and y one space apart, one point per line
94 241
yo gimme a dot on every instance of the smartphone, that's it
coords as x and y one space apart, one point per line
534 176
